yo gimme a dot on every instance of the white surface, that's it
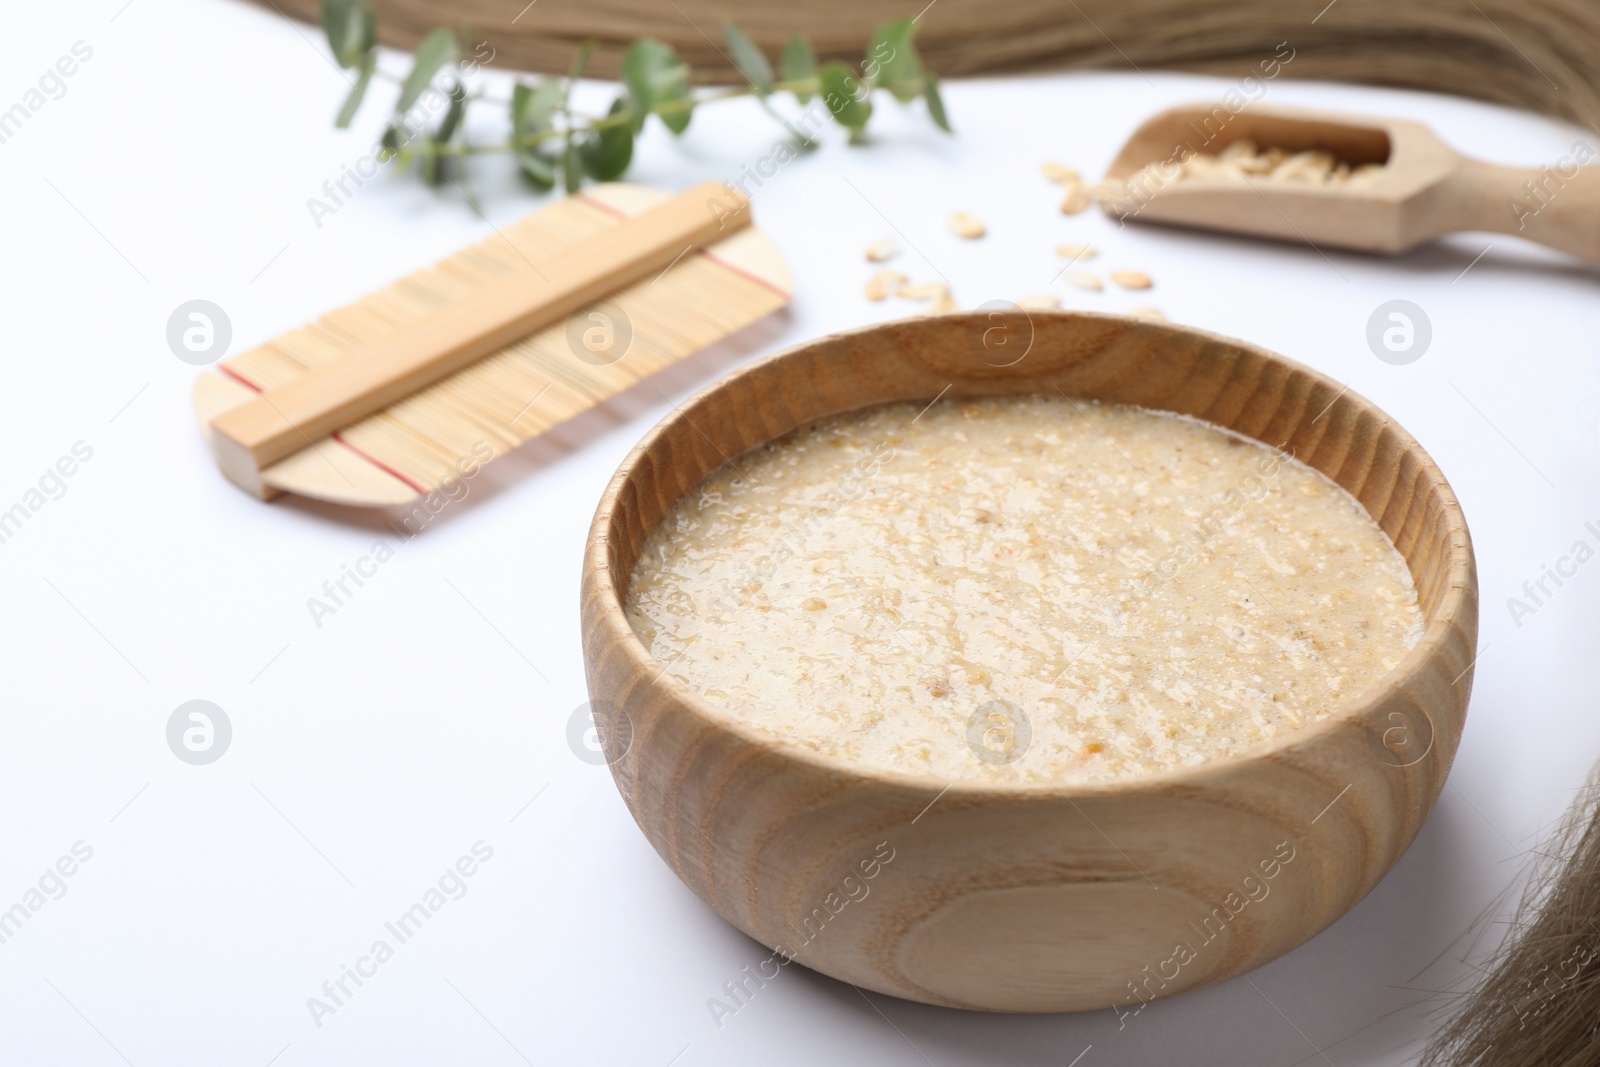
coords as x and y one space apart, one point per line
370 753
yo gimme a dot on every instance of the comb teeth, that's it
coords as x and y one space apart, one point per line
420 443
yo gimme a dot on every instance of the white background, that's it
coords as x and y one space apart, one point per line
370 753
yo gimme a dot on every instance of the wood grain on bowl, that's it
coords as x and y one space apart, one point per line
1036 897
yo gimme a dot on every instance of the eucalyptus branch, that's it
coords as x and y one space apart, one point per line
551 141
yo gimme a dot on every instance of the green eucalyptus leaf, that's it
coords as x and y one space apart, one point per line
538 169
607 153
930 93
571 168
799 64
531 108
352 101
392 141
678 120
437 49
750 60
521 94
655 76
336 26
352 30
581 60
435 160
892 60
846 96
452 115
543 103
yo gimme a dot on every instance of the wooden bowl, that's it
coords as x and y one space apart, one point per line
1035 897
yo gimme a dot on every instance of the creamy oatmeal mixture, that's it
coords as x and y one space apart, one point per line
1026 589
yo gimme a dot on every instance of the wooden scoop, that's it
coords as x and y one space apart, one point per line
1423 190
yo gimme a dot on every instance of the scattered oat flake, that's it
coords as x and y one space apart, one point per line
882 250
1148 313
1084 280
923 291
1077 251
1061 175
1039 302
881 282
1076 200
964 225
943 305
1131 279
1243 159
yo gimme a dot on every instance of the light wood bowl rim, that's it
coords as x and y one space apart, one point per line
1460 580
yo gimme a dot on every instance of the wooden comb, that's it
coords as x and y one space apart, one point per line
1424 189
395 395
